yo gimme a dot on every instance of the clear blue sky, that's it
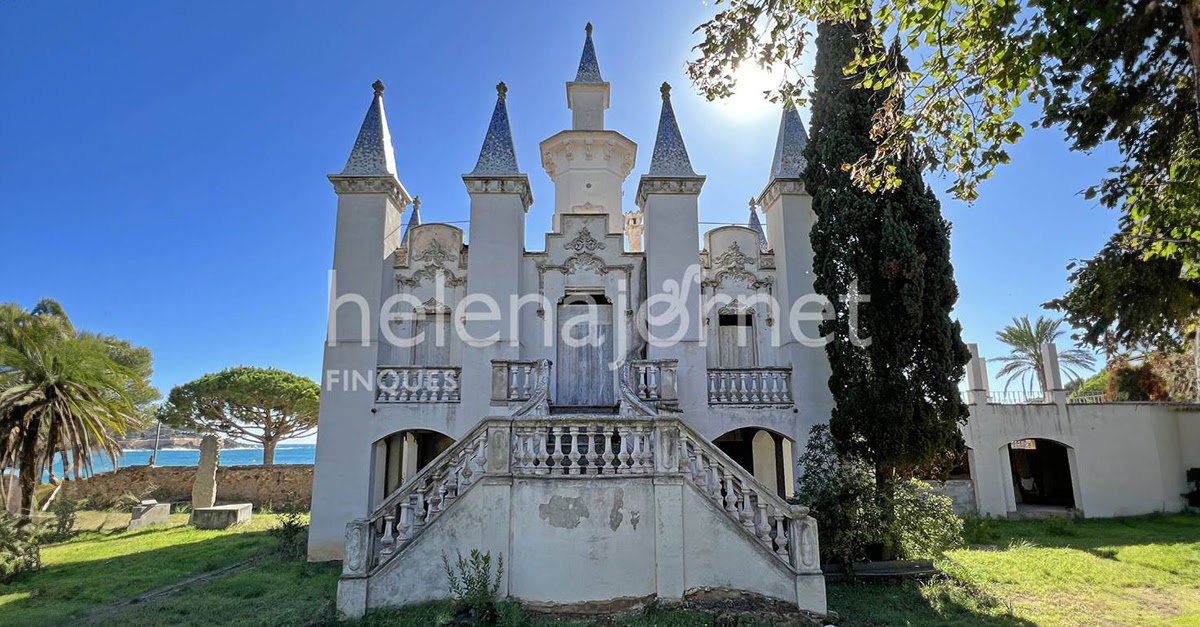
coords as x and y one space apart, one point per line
162 164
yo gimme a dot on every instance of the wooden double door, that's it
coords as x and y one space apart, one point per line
586 376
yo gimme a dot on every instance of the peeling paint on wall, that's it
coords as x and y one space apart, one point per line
615 516
563 512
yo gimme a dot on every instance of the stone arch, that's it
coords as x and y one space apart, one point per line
765 453
1040 476
400 455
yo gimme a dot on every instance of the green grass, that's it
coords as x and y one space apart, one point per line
1136 571
1132 571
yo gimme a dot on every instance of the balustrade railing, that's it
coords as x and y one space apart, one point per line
582 447
782 528
513 381
416 504
653 380
750 386
418 384
1087 399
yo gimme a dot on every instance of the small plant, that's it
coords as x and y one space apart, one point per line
473 587
19 552
65 511
291 530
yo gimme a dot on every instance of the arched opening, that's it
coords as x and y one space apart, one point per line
766 455
401 455
1041 475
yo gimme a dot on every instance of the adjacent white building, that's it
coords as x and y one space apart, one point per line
621 425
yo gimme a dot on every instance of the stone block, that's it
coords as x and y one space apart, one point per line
150 513
221 516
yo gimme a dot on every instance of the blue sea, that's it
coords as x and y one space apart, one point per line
284 454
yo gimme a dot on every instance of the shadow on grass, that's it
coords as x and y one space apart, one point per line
60 591
940 602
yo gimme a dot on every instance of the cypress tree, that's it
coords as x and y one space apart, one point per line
896 392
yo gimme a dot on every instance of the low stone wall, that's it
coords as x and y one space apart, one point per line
261 485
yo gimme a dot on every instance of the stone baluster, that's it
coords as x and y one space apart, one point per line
730 497
781 539
762 526
655 383
622 449
591 456
542 446
756 382
746 513
558 455
406 523
574 455
388 541
712 387
609 456
418 507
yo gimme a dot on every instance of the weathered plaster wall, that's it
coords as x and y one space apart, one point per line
574 540
1126 458
273 485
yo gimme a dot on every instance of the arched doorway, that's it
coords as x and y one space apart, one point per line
1042 477
765 454
400 456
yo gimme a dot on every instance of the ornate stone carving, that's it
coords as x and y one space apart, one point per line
356 547
584 261
777 188
500 185
436 253
648 185
583 241
431 272
539 402
371 185
731 266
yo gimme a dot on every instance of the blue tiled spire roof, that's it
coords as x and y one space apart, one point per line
372 154
498 157
413 220
589 67
670 156
789 160
757 226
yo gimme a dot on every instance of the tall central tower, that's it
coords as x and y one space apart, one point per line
588 164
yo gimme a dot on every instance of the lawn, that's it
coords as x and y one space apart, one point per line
1136 571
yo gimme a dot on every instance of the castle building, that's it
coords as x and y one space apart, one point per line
616 409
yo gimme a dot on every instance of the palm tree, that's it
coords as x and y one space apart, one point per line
60 390
1025 338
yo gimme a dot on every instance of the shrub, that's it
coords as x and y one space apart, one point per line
841 495
19 552
473 587
1135 383
925 524
292 530
65 511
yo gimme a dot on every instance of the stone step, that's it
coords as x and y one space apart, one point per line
221 516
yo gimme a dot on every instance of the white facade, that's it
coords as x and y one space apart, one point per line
502 396
1093 459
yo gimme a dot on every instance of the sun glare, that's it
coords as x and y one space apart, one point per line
748 100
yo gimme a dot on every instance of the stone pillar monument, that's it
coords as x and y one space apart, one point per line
204 490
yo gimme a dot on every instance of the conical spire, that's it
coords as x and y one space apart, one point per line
413 220
789 160
754 224
498 157
372 154
589 67
670 156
